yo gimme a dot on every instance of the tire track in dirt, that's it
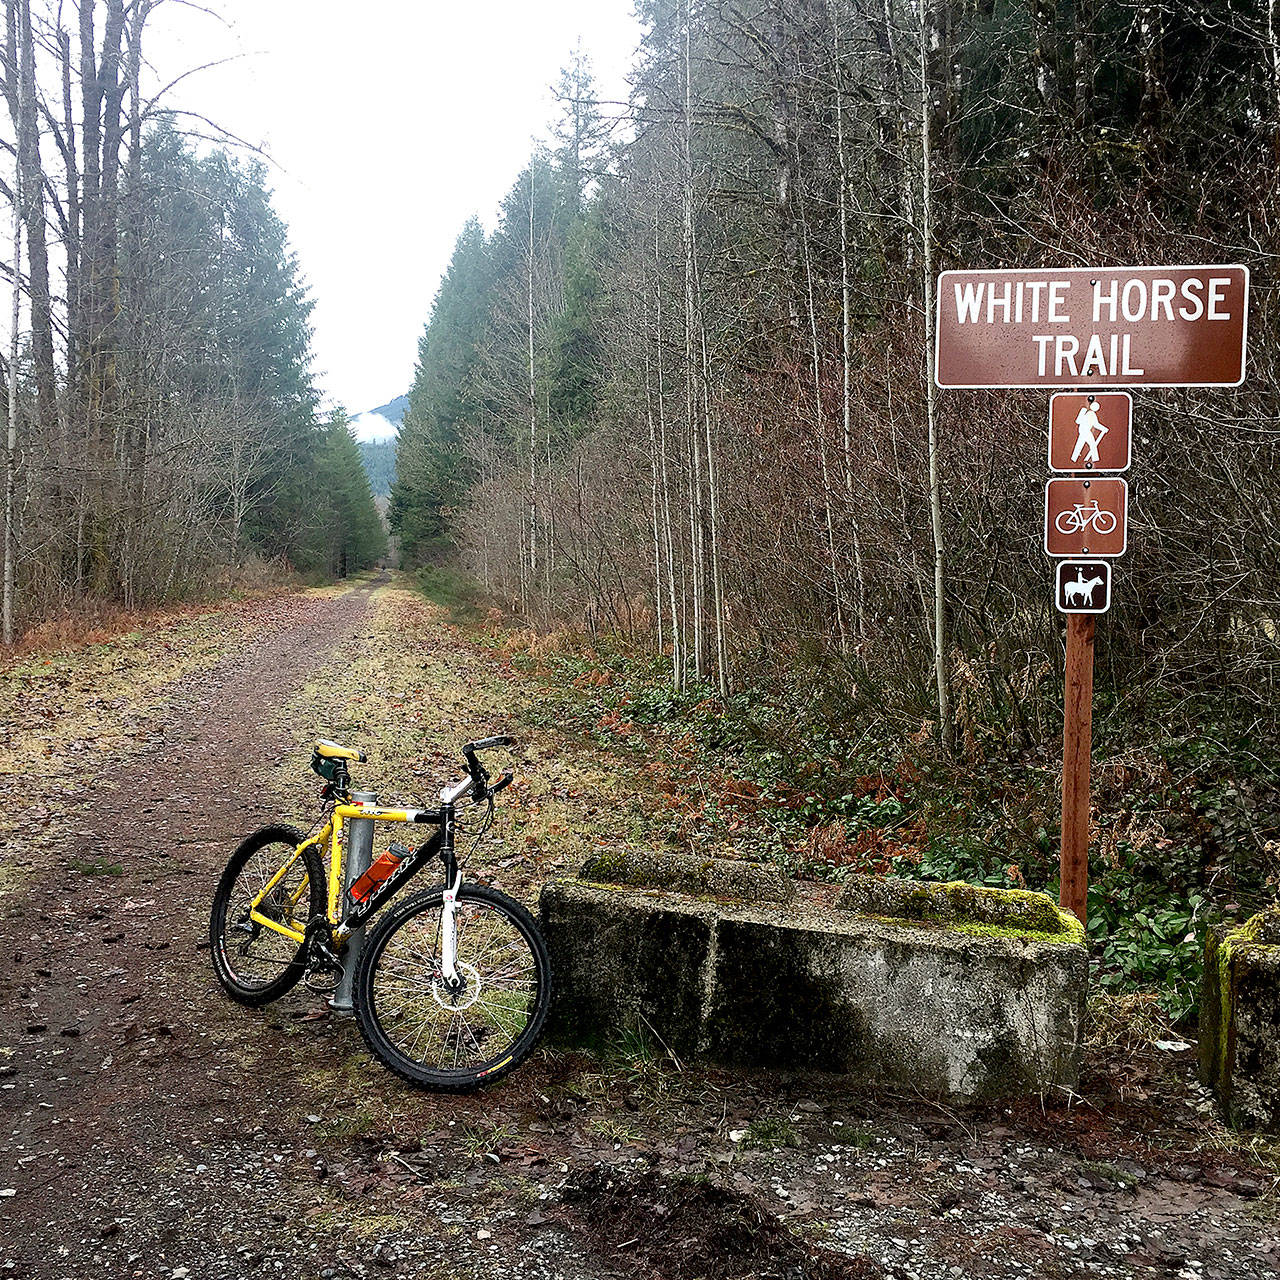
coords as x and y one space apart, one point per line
104 1063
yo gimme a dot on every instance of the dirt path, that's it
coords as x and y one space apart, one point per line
150 1128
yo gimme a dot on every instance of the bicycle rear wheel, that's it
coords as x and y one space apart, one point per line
453 1040
255 964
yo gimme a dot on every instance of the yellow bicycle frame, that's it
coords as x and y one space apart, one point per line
332 832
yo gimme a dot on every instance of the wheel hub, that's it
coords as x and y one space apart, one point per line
461 994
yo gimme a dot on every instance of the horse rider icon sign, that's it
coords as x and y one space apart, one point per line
1084 586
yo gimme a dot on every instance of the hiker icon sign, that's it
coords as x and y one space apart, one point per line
1084 586
1090 432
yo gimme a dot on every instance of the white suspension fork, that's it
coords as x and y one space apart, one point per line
449 933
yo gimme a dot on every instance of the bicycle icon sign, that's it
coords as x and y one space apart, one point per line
1086 517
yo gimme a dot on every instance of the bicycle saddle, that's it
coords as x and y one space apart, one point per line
334 751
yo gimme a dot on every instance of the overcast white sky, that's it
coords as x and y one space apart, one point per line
390 122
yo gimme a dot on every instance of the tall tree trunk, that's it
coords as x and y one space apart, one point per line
928 40
713 493
1044 64
677 630
783 150
102 129
891 117
113 131
33 216
1150 109
820 417
653 478
533 412
1273 57
72 245
11 427
846 326
1082 66
696 531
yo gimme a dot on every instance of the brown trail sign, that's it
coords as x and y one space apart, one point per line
1086 517
1090 432
1084 586
1088 328
1095 326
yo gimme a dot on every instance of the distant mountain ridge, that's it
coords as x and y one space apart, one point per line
393 410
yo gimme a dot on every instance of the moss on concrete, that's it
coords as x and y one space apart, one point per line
1240 1020
720 878
974 909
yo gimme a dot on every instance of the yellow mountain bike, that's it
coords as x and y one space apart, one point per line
451 988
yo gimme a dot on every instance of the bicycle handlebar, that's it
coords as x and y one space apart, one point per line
477 779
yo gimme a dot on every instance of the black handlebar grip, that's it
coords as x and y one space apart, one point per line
504 781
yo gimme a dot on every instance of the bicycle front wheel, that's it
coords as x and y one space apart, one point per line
455 1039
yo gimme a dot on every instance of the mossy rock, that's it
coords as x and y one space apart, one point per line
682 873
1016 912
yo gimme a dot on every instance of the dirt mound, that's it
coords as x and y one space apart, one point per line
691 1229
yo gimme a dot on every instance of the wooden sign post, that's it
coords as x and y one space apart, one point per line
1077 750
1087 328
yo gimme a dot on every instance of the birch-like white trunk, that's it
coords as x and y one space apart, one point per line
927 34
677 631
11 432
533 416
653 486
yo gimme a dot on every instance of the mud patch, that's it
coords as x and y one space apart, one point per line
691 1229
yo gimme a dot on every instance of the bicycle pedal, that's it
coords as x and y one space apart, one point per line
322 981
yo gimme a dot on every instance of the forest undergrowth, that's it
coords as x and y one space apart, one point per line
826 784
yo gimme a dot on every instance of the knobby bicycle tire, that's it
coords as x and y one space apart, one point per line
250 993
375 1022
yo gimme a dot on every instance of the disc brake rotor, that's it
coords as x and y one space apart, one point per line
464 997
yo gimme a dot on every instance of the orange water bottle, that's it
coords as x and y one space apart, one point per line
379 870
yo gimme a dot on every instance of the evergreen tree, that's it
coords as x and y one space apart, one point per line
433 465
343 531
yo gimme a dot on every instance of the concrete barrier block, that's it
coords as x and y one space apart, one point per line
936 1010
955 1010
1240 1021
